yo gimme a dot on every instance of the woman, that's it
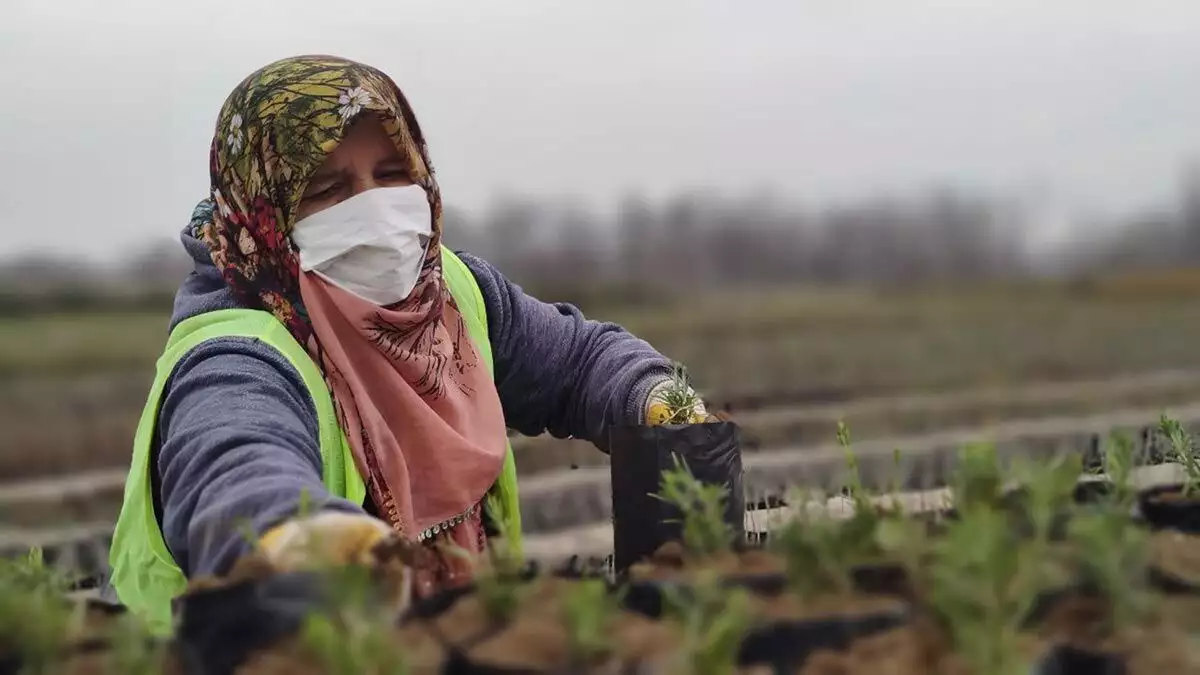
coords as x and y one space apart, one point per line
334 375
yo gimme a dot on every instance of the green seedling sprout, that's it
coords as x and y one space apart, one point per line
978 480
983 583
134 650
904 541
1181 445
353 643
679 397
589 610
818 556
1112 556
500 588
705 531
1049 490
714 619
35 619
1118 465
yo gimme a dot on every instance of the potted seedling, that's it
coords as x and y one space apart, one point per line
715 620
1176 506
1110 558
588 611
1118 462
711 449
39 627
983 585
353 640
500 587
1045 496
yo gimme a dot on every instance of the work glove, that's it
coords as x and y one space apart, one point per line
324 538
670 402
329 539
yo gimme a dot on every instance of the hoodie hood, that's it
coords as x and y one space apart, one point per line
204 289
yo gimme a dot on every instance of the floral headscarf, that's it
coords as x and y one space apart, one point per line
274 131
424 420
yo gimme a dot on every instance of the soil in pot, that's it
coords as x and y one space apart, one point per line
1166 507
421 652
919 647
1175 561
1155 646
755 569
671 562
538 642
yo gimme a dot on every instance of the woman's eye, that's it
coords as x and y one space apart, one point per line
324 193
394 176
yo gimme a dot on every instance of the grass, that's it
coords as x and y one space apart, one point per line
792 339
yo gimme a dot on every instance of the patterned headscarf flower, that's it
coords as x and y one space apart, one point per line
353 101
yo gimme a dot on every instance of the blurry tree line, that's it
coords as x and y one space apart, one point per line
643 251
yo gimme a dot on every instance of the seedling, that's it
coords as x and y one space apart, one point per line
35 620
905 541
1112 557
589 610
500 588
714 619
679 397
978 481
819 555
705 531
983 583
1181 445
353 643
1118 464
134 652
1048 492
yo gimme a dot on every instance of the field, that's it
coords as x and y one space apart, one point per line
788 364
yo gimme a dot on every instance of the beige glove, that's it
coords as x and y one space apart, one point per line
333 538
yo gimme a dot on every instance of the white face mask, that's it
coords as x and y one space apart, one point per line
372 244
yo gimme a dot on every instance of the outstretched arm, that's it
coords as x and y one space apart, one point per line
238 449
558 371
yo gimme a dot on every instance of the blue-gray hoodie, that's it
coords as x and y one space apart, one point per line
236 444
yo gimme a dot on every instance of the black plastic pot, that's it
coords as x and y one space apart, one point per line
1045 601
640 454
460 664
218 629
1069 660
786 644
1181 515
646 596
1170 583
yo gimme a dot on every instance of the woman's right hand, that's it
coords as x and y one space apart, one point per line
332 539
323 539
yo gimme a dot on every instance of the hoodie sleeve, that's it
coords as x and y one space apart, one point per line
558 371
238 447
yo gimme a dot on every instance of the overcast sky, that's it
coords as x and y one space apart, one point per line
109 104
